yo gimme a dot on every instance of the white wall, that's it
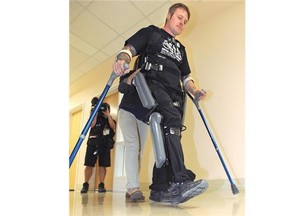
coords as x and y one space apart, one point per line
217 47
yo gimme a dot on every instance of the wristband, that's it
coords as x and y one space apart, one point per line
128 52
186 80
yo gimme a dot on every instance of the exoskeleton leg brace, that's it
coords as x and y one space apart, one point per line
143 91
157 139
155 119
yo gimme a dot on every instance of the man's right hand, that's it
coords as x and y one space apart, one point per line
120 67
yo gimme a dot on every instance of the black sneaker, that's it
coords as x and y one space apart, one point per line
101 188
85 187
181 192
160 196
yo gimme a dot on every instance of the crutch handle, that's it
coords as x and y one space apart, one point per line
113 75
196 98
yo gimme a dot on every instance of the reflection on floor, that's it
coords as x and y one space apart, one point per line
218 200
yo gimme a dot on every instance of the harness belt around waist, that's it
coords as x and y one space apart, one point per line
157 67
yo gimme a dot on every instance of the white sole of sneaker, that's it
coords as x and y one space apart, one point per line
199 189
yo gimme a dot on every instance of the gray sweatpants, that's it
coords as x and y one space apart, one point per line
135 135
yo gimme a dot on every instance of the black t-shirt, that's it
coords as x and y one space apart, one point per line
164 50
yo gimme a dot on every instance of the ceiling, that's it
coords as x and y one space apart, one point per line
98 29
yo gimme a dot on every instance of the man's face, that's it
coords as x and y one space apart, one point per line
177 21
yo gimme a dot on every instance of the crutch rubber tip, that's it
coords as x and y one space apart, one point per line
234 189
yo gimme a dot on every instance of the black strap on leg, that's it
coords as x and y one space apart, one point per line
172 130
168 168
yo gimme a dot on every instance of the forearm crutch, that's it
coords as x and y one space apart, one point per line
196 102
92 116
